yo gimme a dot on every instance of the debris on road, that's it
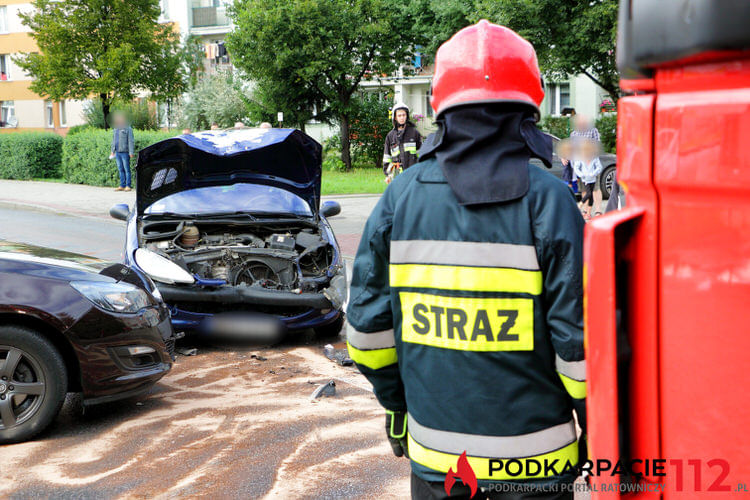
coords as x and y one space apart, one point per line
185 351
340 356
327 389
258 357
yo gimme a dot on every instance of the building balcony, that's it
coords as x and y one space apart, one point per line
205 17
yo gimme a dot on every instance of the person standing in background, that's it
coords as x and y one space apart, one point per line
123 146
401 143
584 129
587 168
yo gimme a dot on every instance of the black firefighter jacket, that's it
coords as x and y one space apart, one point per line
470 319
401 149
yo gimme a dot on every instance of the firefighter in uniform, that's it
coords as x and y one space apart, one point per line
466 306
401 143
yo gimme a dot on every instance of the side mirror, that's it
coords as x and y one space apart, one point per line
330 208
120 211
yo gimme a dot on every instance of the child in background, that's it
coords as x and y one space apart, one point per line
564 152
587 167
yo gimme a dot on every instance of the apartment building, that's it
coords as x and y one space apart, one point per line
208 20
20 107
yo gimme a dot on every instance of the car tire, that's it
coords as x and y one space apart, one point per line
607 180
36 361
331 329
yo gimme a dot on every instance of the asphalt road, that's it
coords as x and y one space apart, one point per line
225 423
87 235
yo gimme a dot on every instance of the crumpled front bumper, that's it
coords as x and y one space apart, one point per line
243 295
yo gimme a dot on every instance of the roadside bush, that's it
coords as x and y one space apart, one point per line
607 125
85 155
368 126
332 145
26 155
76 129
214 98
559 126
140 115
333 163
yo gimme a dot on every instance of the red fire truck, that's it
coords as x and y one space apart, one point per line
667 295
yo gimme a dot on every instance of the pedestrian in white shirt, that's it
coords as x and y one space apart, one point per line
587 169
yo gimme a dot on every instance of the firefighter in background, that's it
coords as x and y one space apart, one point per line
401 143
466 297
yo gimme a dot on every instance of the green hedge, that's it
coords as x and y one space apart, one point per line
85 155
26 155
607 126
559 126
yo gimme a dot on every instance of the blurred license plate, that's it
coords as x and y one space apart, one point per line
244 327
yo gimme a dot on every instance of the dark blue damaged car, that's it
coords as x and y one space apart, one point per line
229 225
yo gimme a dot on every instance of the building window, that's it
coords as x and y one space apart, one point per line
49 116
164 4
63 114
3 19
4 67
7 112
559 97
428 103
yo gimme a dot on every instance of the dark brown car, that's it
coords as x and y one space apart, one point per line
71 323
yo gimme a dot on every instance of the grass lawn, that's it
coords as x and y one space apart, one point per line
357 181
49 179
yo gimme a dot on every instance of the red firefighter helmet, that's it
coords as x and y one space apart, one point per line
483 63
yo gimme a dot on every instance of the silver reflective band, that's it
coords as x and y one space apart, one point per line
571 369
464 253
475 445
368 341
410 144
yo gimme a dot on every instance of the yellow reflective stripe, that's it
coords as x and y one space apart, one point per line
475 279
478 445
575 388
373 358
441 462
467 323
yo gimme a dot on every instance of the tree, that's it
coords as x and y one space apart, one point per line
216 98
108 48
437 20
324 48
570 36
297 102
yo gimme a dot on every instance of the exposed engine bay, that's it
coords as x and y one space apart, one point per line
283 254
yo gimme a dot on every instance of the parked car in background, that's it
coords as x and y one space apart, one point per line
606 179
71 323
230 226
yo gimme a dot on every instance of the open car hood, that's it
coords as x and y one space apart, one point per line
284 158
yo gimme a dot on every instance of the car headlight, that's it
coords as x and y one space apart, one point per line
160 268
116 297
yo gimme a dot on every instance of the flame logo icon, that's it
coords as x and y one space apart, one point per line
464 472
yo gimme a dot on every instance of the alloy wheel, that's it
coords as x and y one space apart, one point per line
22 386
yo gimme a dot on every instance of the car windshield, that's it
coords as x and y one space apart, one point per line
249 198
